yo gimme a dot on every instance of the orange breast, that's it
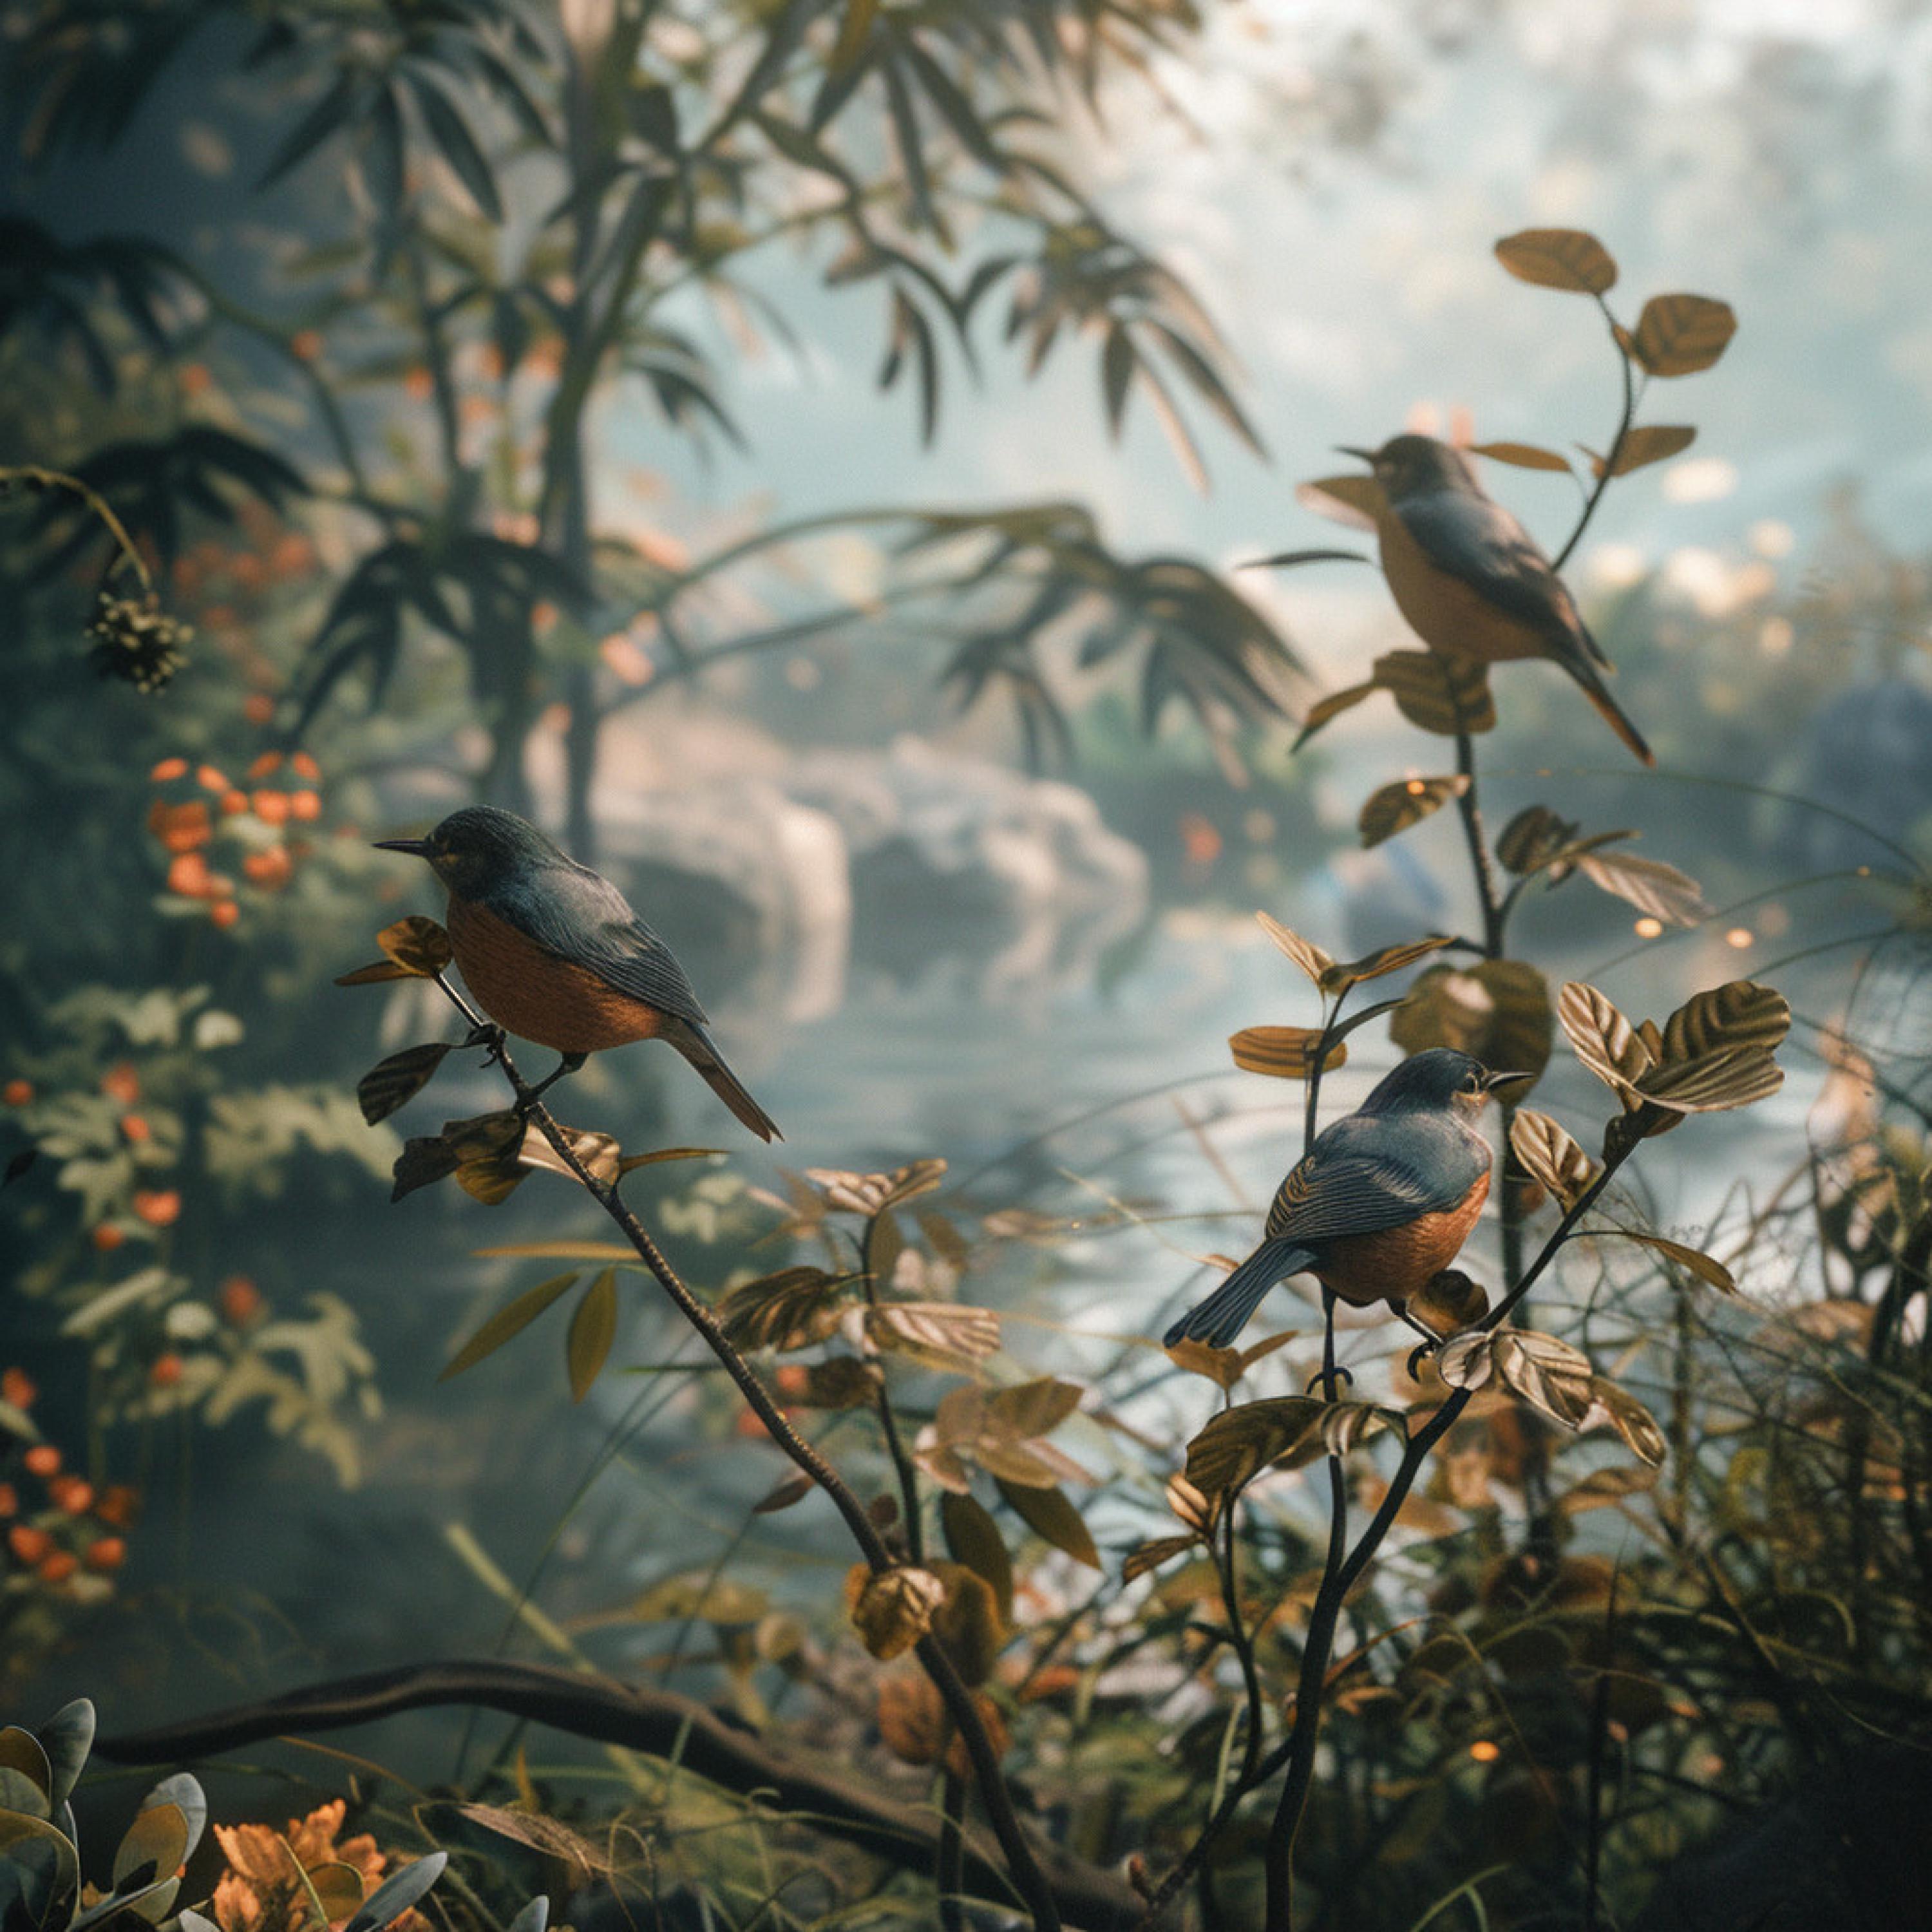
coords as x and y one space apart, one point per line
1396 1263
1445 613
538 996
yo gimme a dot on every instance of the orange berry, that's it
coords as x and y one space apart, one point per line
748 1425
491 362
543 616
17 1093
165 1371
169 768
42 1459
305 344
249 571
106 1552
212 778
224 913
9 1500
418 384
232 802
135 1128
121 1082
269 762
293 555
117 1505
303 767
305 805
74 1494
28 1543
188 875
194 380
258 707
17 1386
269 868
57 1566
181 828
793 1378
107 1236
271 807
241 1300
159 1207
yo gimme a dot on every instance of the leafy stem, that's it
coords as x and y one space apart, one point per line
1023 1865
1616 449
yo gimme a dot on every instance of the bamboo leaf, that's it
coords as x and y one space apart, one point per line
593 1327
506 1322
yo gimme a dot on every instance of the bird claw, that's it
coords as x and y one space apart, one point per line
488 1036
1418 1355
1320 1379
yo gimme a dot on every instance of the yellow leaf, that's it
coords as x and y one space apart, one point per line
1310 959
419 946
1395 807
1559 258
1222 1366
1285 1052
1679 335
593 1327
1347 973
375 974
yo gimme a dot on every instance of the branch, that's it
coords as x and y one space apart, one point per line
1027 1876
661 1724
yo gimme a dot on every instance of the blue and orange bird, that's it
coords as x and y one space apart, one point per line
1379 1205
553 952
1470 580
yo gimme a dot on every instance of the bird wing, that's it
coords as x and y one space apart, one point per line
1477 540
579 915
1369 1173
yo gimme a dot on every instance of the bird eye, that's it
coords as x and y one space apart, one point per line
1472 1082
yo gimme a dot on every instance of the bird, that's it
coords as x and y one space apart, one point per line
1379 1205
553 952
1471 581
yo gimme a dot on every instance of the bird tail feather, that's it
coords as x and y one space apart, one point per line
695 1043
1225 1313
1586 674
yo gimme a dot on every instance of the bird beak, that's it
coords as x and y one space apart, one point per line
1491 1082
417 847
1367 456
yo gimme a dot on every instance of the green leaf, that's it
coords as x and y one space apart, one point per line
1117 363
451 132
507 1321
593 1327
1048 1513
328 114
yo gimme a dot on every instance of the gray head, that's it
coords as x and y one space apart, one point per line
480 849
1414 466
1438 1078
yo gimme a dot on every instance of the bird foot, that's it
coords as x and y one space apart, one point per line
1319 1380
1420 1353
488 1036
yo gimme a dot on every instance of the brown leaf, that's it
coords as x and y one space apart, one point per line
1438 694
1385 959
599 1153
1660 890
1048 1513
1553 1378
1395 807
1547 1152
1704 1267
1309 957
843 1382
631 1162
1326 710
582 1860
1522 455
792 1309
1239 1443
892 1609
375 974
1679 334
1714 1082
1605 1042
1652 443
867 1193
792 1487
1532 838
1152 1554
940 1334
1497 1010
507 1322
419 946
1283 1052
1738 1013
1035 1407
1559 258
968 1623
1629 1418
1222 1366
1354 499
391 1083
974 1539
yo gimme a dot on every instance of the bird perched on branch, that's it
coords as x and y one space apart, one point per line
1381 1203
1471 580
553 952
